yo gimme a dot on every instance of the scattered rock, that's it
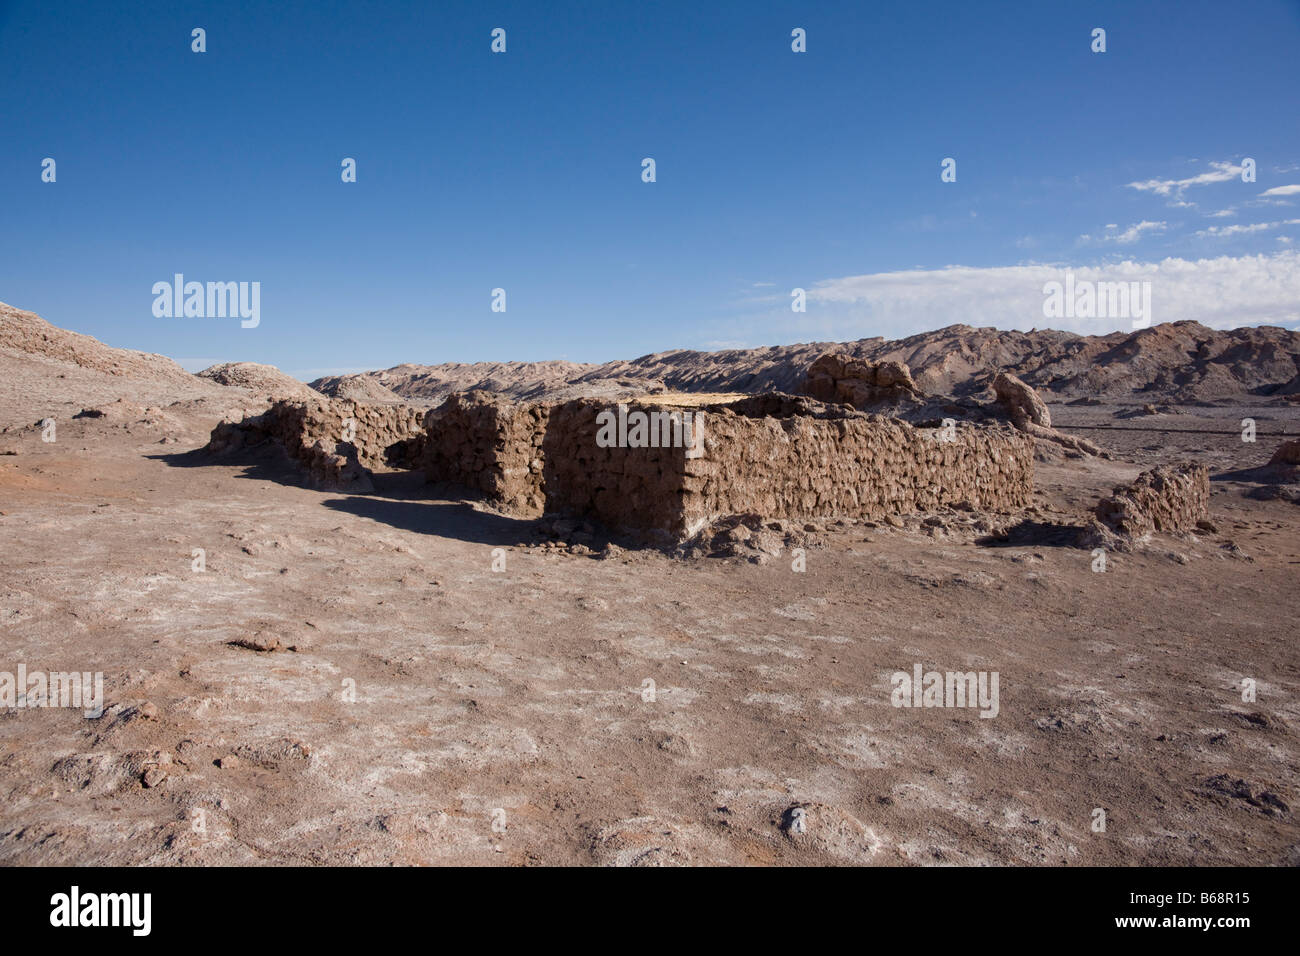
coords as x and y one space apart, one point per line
261 641
1263 800
153 777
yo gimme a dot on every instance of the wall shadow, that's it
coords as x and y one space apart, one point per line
403 499
446 519
1029 533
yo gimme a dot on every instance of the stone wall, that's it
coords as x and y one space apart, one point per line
1169 498
632 489
779 457
490 445
316 432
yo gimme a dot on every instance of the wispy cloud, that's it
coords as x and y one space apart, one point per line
1130 235
1174 188
1135 232
1222 292
1243 229
1292 190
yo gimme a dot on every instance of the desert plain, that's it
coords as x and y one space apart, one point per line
411 676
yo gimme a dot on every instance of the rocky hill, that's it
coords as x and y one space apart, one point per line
259 379
27 334
1178 361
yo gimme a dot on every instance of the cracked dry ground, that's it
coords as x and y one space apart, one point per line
522 691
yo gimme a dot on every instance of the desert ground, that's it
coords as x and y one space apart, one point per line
349 681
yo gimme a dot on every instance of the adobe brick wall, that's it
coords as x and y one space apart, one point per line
803 467
839 377
313 432
488 444
1169 498
633 489
780 457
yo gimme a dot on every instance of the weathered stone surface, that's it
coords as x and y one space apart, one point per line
1021 401
779 457
1169 499
339 442
837 377
1287 454
489 444
1029 413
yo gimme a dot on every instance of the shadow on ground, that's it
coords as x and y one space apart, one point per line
401 499
1030 533
269 463
443 518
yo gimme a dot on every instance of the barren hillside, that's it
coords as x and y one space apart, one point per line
1179 361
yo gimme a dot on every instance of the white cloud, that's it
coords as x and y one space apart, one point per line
1130 235
1134 232
1240 230
1223 292
1220 173
1291 190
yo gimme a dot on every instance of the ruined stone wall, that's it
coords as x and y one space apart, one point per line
338 441
636 489
490 445
779 457
1169 498
856 466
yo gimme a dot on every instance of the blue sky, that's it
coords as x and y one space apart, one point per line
522 170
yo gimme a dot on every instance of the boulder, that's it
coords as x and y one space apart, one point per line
838 377
1021 402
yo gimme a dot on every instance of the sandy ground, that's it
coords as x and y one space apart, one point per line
503 717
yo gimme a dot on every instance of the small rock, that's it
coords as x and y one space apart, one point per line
153 776
261 641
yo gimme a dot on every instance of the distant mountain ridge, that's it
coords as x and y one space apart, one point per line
1173 362
1177 361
